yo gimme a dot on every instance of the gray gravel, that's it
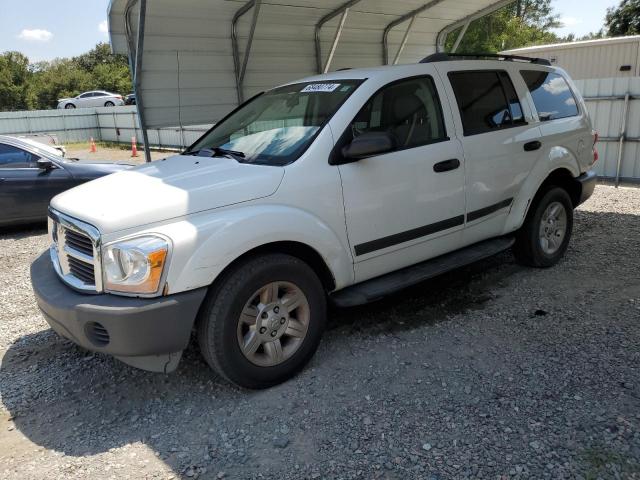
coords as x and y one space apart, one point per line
495 371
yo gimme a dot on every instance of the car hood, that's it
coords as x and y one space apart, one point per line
166 189
90 169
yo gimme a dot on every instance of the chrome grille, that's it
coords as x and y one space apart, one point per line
75 252
83 271
79 242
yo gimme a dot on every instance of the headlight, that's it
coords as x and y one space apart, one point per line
134 265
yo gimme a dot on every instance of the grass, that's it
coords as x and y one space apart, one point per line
597 459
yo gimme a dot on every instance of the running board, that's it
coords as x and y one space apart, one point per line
379 287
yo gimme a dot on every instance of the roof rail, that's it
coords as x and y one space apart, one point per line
449 57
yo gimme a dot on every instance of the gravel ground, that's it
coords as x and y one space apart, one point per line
496 371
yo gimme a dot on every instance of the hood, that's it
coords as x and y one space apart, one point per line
166 189
90 169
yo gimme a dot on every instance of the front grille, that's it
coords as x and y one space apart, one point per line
75 252
81 270
79 242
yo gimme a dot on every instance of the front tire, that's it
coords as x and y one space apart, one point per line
543 239
262 321
69 106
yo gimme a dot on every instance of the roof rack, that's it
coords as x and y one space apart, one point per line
448 57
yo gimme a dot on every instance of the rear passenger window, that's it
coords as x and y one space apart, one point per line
487 101
551 95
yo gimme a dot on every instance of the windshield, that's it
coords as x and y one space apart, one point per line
276 127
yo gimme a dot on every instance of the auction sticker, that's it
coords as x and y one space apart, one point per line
320 87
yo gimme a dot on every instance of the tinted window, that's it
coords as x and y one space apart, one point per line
551 95
86 95
13 157
487 101
409 110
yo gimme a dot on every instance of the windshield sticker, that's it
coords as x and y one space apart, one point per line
320 87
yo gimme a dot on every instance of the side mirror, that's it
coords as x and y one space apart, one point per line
44 164
368 144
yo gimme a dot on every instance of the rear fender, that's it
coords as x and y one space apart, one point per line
556 158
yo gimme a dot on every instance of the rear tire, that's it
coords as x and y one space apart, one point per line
544 237
109 104
262 321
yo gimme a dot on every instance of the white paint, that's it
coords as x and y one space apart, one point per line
215 209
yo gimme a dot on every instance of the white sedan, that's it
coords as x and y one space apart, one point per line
96 98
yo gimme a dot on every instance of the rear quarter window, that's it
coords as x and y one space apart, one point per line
551 94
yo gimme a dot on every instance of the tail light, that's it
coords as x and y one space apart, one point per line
119 97
596 137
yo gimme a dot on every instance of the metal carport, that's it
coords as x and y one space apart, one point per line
195 60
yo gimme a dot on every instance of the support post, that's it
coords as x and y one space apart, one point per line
241 68
413 14
442 35
336 39
623 134
460 37
340 10
405 38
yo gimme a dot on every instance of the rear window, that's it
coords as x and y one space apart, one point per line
551 94
487 101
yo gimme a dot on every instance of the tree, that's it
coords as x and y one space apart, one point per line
15 92
39 85
624 19
527 22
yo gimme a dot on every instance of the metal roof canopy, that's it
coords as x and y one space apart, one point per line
193 61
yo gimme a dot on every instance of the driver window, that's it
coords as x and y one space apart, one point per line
409 110
13 157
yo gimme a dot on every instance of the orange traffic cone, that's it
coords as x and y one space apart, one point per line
134 148
92 144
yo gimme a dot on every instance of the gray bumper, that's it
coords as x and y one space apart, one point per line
588 182
135 330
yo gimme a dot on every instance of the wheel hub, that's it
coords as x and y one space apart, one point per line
273 324
272 321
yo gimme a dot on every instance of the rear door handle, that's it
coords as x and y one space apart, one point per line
532 146
446 165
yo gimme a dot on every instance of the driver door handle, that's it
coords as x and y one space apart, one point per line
446 166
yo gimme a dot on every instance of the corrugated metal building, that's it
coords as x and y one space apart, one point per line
194 60
603 58
607 71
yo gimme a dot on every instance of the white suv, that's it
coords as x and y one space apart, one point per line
342 187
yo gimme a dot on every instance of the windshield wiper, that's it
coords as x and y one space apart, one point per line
218 152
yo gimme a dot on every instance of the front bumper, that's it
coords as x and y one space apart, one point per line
588 183
147 333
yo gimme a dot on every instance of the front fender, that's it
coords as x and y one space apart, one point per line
554 159
204 245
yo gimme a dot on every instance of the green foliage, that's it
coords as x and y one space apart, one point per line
624 19
39 86
523 23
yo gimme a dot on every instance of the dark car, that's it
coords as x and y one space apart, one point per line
30 177
130 99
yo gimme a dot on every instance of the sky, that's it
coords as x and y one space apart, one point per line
46 29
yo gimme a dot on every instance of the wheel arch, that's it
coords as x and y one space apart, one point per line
296 249
562 177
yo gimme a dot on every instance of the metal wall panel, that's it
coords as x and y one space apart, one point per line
188 74
591 59
103 124
606 104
